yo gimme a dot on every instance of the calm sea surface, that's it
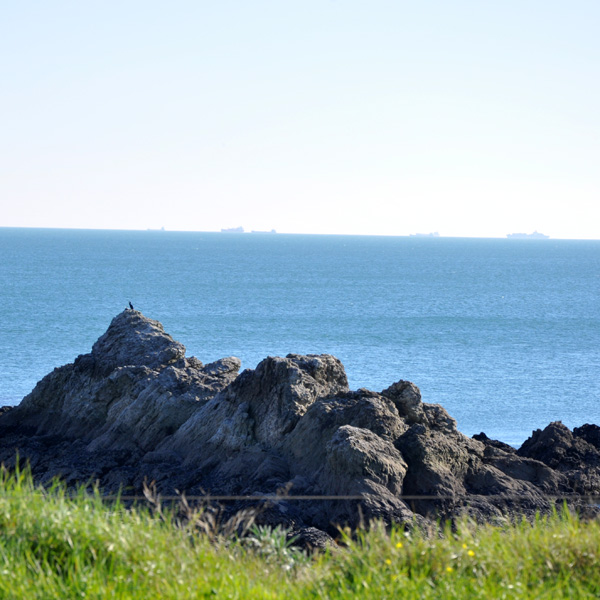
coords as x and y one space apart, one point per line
505 334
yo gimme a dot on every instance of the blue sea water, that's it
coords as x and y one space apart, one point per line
505 334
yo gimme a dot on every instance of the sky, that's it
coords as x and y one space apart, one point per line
466 117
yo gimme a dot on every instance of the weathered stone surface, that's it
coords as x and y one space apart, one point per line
306 445
136 408
356 456
407 398
281 390
134 340
134 389
438 462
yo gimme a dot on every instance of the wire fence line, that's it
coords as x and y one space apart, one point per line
314 498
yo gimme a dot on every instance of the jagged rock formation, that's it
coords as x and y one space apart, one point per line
137 408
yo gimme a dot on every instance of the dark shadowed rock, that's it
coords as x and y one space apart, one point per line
530 471
589 433
311 538
135 409
438 462
569 454
482 437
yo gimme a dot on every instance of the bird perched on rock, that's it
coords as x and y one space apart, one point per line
131 306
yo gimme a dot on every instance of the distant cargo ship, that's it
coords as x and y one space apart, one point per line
527 236
432 234
233 230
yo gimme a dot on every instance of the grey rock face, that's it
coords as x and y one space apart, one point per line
135 407
355 457
407 398
135 388
280 391
135 340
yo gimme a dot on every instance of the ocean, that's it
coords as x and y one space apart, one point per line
505 334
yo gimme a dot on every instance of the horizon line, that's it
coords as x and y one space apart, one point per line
234 234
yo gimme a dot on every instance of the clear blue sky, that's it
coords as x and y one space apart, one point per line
470 118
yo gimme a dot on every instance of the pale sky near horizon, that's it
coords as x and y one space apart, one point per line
470 118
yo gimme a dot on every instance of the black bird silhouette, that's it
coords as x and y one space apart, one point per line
131 306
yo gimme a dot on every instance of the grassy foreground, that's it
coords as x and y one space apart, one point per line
56 546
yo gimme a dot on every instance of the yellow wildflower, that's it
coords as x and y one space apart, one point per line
399 545
388 561
449 569
471 553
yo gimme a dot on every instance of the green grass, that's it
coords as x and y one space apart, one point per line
54 545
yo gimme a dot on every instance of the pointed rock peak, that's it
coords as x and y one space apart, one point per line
407 398
133 339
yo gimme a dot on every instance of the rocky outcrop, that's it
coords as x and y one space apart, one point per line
575 455
136 408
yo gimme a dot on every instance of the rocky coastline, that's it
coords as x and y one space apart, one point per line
136 409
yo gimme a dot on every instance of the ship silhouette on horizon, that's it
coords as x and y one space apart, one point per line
536 235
